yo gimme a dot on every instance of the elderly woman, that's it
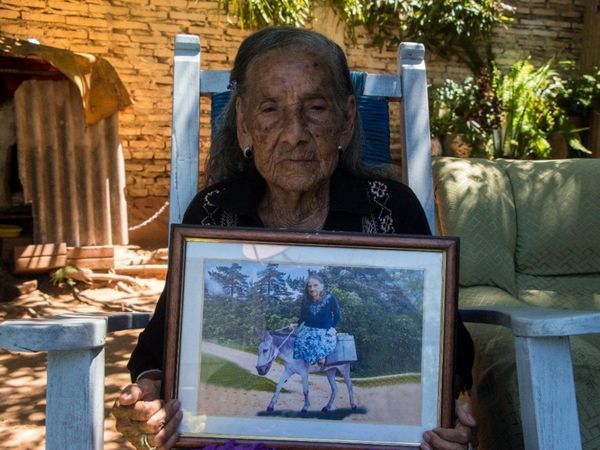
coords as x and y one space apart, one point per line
319 315
286 156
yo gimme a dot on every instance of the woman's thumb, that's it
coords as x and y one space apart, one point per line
150 389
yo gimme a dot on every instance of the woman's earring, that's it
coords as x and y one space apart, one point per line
248 152
340 149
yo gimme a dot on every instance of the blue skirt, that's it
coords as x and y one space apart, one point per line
313 344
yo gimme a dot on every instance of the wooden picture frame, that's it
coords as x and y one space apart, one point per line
397 296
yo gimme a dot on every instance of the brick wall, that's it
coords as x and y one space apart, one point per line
542 28
136 36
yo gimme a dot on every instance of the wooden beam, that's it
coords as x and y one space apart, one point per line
39 258
590 45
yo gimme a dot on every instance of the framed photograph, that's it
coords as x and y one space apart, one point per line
310 340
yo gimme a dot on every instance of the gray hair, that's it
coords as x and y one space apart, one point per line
225 158
307 299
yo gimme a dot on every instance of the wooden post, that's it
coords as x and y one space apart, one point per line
416 159
75 390
590 58
75 399
590 44
594 134
185 132
546 393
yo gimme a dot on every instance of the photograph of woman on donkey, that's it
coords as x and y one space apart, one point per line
316 333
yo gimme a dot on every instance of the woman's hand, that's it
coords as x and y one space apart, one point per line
455 438
144 419
332 331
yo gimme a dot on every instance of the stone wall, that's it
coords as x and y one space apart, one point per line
136 36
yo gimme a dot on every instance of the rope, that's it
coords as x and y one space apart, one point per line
276 351
151 218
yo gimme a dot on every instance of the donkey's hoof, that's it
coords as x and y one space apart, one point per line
304 410
353 406
270 409
325 409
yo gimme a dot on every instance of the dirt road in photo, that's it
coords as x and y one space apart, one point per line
394 404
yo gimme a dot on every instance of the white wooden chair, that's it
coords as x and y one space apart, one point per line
547 397
408 85
76 345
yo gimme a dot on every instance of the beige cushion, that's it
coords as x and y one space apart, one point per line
558 215
474 201
566 292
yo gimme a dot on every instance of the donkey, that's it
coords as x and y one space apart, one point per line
275 344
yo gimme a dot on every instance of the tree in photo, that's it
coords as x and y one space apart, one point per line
231 279
271 283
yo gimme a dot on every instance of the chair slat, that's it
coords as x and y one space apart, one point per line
417 146
213 81
383 85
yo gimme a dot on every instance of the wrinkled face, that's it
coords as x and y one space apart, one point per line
290 118
314 288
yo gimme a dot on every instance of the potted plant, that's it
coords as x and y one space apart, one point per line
580 99
465 116
517 114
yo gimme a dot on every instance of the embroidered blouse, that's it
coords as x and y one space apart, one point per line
355 204
322 314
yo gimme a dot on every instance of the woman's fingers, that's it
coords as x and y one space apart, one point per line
160 419
452 438
143 411
129 395
167 434
157 422
144 389
464 413
132 418
160 428
140 411
460 434
434 440
128 425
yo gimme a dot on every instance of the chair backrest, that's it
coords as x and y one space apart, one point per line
408 85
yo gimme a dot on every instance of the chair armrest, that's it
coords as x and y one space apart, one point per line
535 322
52 334
75 383
67 331
544 368
117 321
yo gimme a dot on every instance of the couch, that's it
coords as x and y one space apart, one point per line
529 236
